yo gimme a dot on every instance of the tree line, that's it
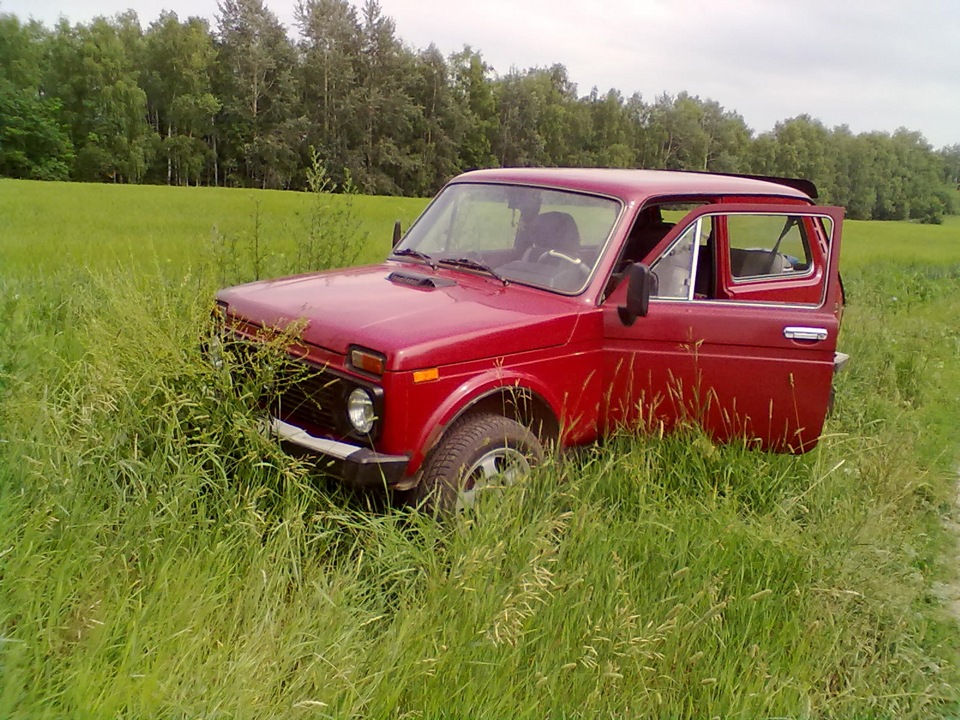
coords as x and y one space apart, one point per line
244 104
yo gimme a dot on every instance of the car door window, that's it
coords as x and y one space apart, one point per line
774 257
765 246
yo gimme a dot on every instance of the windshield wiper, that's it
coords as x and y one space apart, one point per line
472 264
407 252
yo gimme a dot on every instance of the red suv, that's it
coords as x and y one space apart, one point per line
529 308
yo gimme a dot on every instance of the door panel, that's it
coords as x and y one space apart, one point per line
728 368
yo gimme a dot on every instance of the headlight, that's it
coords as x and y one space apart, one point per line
360 410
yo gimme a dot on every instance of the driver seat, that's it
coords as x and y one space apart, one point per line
550 231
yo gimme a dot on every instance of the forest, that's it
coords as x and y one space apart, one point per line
244 104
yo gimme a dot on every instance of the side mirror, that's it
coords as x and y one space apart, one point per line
639 287
396 233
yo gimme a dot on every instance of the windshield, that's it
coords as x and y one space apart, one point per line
534 236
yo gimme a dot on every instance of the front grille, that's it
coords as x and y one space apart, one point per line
308 395
293 390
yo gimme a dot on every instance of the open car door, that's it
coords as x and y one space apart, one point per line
741 331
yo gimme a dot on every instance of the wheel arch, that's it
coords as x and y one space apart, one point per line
514 398
519 403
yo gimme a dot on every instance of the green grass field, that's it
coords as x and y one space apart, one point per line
159 558
51 226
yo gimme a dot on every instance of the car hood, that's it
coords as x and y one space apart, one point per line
395 309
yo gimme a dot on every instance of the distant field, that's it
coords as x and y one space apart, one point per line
50 225
160 558
866 242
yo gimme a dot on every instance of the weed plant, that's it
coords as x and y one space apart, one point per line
159 557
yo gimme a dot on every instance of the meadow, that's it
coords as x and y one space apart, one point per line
160 558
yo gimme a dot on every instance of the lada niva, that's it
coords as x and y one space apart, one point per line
529 309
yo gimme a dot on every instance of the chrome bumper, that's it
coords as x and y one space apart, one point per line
356 466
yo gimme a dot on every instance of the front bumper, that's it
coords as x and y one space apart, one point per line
357 467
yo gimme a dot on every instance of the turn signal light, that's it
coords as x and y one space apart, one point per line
368 361
420 376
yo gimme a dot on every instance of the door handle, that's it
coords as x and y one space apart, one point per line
798 332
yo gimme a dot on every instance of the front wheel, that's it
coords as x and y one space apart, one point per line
478 452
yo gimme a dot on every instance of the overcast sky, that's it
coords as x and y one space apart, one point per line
869 64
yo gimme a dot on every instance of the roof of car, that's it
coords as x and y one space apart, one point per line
631 184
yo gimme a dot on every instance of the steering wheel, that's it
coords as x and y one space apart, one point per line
576 262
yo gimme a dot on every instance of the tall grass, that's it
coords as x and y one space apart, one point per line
160 558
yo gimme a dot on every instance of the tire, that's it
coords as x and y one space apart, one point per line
478 451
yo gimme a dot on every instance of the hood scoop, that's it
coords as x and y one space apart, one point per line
415 280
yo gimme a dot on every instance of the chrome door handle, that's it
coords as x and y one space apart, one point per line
796 332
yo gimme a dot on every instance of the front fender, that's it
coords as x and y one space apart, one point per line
467 395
